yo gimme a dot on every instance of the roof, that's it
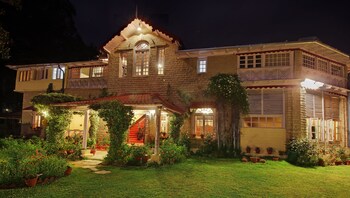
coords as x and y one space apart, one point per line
315 46
68 64
132 29
130 100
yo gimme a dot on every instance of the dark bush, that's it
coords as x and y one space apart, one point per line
302 152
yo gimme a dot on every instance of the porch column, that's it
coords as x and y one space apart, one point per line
156 140
86 128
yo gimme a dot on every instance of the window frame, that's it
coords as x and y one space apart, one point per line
202 65
57 73
161 61
143 68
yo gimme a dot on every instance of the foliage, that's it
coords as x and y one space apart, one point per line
26 159
176 123
209 146
185 141
118 118
52 166
58 118
94 122
302 152
139 155
329 155
171 153
232 100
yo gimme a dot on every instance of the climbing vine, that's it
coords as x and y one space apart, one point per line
176 123
118 118
58 118
94 122
232 100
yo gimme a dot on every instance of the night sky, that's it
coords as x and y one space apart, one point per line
199 24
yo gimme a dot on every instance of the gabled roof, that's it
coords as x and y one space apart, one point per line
129 100
68 64
132 29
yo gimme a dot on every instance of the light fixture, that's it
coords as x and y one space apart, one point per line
160 65
311 84
204 110
45 113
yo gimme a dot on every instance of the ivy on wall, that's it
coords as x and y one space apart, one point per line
232 100
118 118
94 122
58 118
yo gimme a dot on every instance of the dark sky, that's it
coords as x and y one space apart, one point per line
219 22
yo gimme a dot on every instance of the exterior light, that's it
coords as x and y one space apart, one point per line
45 113
160 66
139 29
204 110
311 84
152 112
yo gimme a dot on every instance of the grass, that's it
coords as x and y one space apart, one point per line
199 177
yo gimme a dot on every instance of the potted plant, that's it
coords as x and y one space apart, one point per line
269 150
68 171
248 149
202 136
347 162
254 159
257 150
29 168
93 150
338 161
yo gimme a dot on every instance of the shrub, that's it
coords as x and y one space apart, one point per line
52 166
302 152
209 145
139 155
185 141
171 153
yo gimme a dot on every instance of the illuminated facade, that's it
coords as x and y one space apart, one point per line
296 89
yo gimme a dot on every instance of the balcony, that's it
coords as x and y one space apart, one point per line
87 83
266 73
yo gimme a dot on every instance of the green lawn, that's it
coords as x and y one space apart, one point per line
199 178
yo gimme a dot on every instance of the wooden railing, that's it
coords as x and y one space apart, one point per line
267 73
87 83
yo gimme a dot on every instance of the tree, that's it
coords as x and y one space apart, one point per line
232 100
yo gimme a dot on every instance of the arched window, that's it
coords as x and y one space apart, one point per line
141 59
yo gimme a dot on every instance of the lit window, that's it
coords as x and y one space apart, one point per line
204 122
84 72
97 71
142 59
24 76
57 73
202 65
161 57
123 65
36 121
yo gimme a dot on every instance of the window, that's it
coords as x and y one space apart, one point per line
266 109
36 121
123 64
336 70
322 65
84 72
24 76
57 73
250 61
97 71
161 58
277 60
309 61
142 59
164 123
202 65
204 122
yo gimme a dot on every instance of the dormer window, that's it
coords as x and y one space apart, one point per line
202 65
141 59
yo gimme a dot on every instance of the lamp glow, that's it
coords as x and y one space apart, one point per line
311 84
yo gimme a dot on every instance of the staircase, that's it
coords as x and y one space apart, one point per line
137 131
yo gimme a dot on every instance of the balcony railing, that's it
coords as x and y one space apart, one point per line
267 73
86 83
